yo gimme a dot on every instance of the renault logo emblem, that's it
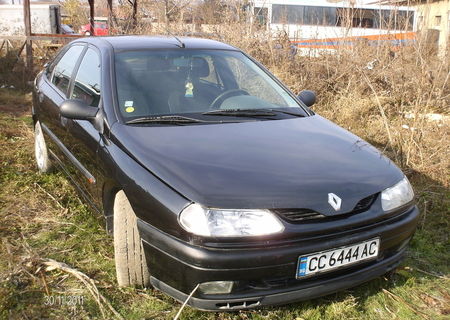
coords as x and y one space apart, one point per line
334 201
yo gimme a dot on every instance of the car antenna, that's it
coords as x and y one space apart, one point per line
182 45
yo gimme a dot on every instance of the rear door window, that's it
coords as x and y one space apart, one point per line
64 68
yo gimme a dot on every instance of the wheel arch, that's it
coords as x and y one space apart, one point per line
110 189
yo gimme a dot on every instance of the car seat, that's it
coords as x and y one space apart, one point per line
183 99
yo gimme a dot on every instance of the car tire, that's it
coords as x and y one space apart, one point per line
43 161
131 266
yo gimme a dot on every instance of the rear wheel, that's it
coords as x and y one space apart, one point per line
131 267
40 149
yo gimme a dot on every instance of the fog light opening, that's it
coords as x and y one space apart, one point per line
216 287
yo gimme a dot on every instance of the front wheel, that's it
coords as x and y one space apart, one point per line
131 267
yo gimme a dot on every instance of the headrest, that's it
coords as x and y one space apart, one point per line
200 67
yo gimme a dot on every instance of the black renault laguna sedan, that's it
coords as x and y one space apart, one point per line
214 178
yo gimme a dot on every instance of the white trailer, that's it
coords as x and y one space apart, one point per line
45 18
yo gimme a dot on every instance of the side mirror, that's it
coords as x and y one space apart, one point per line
308 97
77 109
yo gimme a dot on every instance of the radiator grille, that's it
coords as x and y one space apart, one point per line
364 204
307 215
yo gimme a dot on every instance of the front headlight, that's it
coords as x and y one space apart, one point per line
229 222
397 195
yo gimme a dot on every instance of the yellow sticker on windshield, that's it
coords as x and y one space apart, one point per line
129 109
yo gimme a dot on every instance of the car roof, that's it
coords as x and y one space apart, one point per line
120 43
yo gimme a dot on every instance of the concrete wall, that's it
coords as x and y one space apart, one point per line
428 21
44 19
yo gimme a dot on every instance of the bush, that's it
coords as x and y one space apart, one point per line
12 71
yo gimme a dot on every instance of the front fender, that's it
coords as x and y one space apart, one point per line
152 200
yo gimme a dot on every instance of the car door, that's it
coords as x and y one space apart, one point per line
51 90
80 137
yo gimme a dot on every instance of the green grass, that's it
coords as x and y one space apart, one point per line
41 217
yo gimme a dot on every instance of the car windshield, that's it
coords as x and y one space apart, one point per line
184 81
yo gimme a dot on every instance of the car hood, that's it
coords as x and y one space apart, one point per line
292 163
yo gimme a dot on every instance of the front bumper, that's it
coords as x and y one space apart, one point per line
266 275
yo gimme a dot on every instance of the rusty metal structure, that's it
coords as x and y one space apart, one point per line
29 37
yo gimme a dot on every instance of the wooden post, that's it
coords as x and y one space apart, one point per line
29 48
3 43
135 13
110 16
91 17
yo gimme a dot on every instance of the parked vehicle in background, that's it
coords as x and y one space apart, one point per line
323 24
45 18
67 29
218 183
100 29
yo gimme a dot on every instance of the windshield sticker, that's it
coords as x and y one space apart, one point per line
189 90
128 103
129 109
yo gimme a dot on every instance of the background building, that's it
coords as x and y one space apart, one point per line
433 20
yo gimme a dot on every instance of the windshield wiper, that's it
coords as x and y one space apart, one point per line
288 112
252 112
165 119
241 113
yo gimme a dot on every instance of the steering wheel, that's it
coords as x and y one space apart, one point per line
225 95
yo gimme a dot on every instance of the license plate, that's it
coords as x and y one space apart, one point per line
329 260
